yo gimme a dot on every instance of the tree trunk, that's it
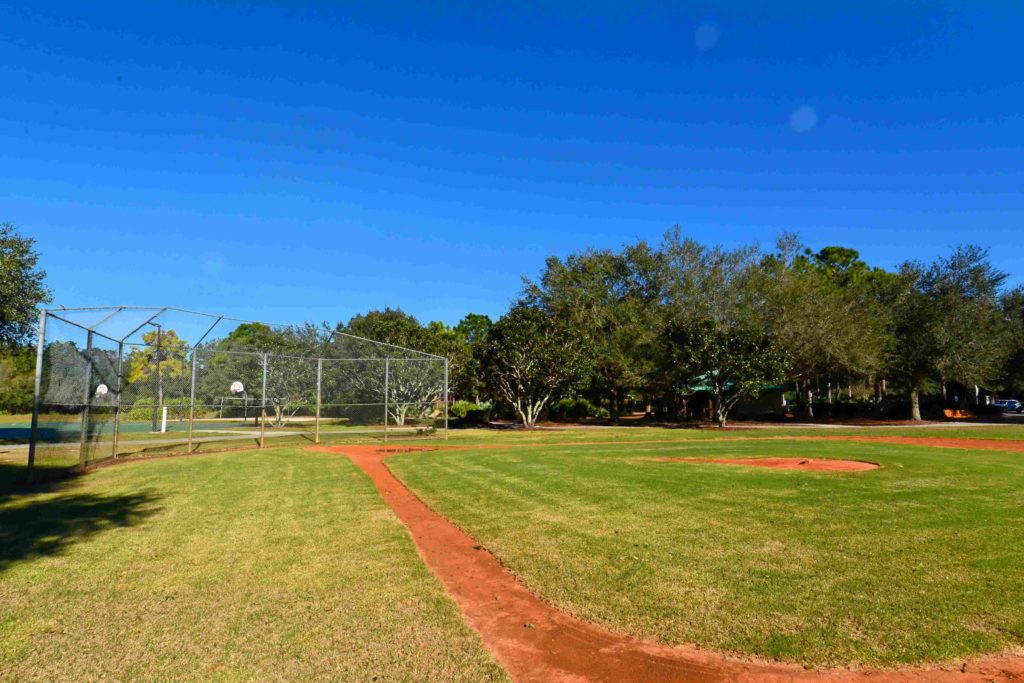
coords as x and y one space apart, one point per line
532 412
810 402
915 405
720 411
613 413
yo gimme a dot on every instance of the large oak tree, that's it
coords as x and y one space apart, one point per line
529 357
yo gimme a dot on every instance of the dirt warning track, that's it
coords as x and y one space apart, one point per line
536 643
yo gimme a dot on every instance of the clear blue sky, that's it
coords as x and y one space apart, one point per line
291 164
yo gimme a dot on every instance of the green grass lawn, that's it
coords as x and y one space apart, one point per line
570 434
283 563
919 561
54 457
257 565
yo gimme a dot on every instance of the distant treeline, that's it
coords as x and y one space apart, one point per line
680 328
652 326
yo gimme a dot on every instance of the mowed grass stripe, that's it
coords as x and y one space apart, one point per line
568 435
279 564
917 561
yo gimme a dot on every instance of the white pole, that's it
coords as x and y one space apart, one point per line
163 421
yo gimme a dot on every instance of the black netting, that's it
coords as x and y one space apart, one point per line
128 381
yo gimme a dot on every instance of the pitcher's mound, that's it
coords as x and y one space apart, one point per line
808 464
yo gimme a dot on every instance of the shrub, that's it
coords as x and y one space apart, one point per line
575 409
469 413
142 410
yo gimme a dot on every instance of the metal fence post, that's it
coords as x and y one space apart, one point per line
158 388
263 403
387 373
117 398
445 399
83 446
192 402
37 397
319 376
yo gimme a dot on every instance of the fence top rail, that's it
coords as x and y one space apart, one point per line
83 327
160 310
373 341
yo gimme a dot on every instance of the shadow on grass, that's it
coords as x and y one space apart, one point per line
46 526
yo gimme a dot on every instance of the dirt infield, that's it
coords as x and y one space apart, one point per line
537 643
929 441
806 464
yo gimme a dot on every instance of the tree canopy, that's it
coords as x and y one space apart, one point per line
529 357
22 287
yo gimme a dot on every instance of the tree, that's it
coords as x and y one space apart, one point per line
17 373
414 383
722 285
163 358
973 332
468 380
414 386
528 357
290 372
948 323
735 362
450 343
612 299
822 307
1012 375
21 287
390 326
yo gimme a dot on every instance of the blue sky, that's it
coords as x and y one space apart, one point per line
287 164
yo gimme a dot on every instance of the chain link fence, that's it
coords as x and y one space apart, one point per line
122 381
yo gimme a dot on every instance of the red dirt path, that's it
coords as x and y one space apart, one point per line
806 464
537 643
930 441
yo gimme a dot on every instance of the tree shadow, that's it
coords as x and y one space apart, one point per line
49 477
47 525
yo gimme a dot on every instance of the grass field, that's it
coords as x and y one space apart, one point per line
54 457
68 429
921 560
284 563
279 564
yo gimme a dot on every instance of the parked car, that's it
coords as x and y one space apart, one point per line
1009 405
